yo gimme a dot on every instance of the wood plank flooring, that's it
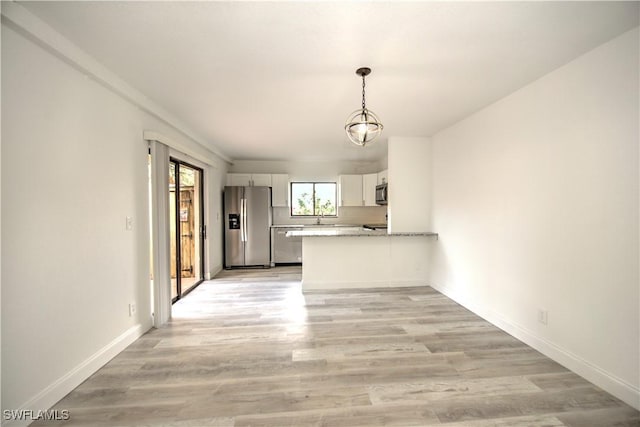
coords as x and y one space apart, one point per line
249 349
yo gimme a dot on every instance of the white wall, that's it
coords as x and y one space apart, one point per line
535 199
217 179
409 185
74 165
0 233
384 162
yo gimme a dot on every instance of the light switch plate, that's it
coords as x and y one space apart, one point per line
543 316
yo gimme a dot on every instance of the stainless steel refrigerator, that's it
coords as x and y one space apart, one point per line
247 226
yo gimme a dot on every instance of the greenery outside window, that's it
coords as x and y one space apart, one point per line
313 199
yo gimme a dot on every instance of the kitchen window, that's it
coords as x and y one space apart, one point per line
314 199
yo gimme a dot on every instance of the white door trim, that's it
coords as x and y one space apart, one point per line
161 246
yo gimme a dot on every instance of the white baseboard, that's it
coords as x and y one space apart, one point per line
598 376
317 285
72 379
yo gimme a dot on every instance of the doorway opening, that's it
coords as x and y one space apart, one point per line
186 227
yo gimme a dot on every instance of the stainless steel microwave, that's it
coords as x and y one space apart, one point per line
382 194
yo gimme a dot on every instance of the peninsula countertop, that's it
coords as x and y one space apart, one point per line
315 225
361 232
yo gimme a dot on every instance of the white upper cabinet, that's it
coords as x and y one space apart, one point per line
279 184
261 179
280 190
358 190
239 179
369 182
351 190
382 176
248 179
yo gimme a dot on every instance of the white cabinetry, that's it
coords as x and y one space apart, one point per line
239 179
369 183
358 190
279 184
351 190
261 180
248 179
382 176
280 190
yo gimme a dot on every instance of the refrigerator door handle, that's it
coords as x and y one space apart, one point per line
246 223
244 220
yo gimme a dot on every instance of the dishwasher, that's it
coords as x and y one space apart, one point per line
286 250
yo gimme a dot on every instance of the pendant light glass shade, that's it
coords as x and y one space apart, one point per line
363 125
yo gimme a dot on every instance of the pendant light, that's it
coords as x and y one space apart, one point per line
363 126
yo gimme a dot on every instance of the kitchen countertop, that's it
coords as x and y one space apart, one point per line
314 225
352 233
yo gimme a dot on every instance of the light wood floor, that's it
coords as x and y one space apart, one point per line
249 349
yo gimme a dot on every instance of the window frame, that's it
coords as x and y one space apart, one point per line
313 198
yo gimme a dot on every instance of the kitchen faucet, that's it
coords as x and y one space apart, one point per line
321 215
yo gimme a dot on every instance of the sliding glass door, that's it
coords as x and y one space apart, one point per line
187 231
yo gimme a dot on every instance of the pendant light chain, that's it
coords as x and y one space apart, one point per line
363 104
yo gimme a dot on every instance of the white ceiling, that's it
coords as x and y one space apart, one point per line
276 80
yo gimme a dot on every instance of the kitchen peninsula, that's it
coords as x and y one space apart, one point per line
360 258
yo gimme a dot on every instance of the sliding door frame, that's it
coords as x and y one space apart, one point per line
201 232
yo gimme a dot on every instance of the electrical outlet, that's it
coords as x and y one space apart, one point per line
132 310
543 316
128 223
